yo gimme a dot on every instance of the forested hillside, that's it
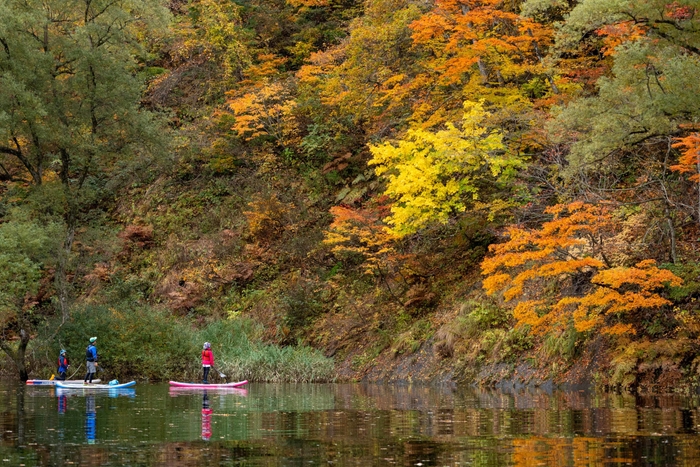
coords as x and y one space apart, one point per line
466 190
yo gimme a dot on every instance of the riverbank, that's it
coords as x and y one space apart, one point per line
475 346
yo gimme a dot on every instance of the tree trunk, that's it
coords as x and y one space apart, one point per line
18 356
672 236
61 279
71 220
21 353
699 187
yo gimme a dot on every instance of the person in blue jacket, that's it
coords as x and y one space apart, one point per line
91 357
62 365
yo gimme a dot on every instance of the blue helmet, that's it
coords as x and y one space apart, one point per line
207 345
62 351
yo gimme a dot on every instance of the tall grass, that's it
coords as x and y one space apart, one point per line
150 344
240 357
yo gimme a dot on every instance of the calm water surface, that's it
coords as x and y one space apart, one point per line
343 425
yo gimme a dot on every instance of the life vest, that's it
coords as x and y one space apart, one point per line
89 356
62 366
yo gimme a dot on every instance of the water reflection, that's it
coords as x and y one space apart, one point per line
177 391
90 419
206 417
87 392
62 403
353 424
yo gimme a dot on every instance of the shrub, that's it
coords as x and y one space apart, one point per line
149 343
143 342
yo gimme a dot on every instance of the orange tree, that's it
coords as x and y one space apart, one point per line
560 275
481 48
689 162
360 232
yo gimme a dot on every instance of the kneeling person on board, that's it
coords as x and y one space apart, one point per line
91 357
207 361
62 365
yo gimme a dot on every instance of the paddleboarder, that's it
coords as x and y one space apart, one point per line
207 361
91 357
62 365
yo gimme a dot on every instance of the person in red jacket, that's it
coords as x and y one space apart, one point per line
207 361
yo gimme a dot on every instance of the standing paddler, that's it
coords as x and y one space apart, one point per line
207 362
91 357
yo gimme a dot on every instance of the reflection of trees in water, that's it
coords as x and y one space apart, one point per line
369 425
21 416
299 397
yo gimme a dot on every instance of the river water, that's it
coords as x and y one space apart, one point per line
344 425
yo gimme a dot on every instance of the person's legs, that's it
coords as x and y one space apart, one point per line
206 375
62 375
90 372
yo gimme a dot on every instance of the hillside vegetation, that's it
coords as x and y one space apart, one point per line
465 190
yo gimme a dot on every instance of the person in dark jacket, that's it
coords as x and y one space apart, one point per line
207 361
62 365
91 357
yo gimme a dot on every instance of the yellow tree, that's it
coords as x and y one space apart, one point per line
433 175
348 90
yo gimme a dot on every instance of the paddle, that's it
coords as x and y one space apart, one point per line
221 375
79 367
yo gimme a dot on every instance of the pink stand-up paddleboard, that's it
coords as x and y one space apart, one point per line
207 386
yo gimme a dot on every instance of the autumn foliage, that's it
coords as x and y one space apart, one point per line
560 274
361 232
689 161
432 175
374 148
482 37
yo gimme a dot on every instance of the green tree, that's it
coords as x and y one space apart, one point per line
650 87
212 30
69 98
636 62
25 248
